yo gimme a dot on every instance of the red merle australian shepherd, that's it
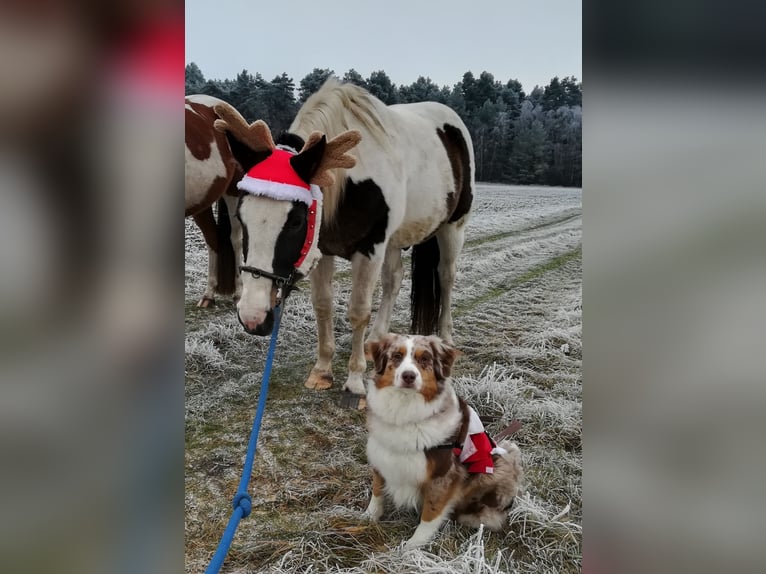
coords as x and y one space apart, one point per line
427 447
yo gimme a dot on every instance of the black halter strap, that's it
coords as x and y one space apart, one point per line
278 279
283 284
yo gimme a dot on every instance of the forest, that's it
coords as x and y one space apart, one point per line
518 138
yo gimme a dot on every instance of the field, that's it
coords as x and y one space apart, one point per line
517 311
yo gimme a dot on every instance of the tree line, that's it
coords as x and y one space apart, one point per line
518 138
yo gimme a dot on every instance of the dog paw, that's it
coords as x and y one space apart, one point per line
414 543
374 510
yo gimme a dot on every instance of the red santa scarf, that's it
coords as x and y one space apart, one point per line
478 449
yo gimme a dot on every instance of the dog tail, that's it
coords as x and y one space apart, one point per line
511 453
512 450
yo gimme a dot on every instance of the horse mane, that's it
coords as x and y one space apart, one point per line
333 109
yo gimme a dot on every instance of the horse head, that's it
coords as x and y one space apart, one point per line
280 209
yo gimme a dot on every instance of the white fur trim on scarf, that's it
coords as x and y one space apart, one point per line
474 427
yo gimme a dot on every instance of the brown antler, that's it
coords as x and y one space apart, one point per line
256 136
334 155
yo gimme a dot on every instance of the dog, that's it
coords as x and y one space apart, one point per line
427 447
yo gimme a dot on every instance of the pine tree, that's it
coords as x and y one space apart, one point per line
194 79
312 82
528 156
572 91
213 88
354 77
422 90
280 102
554 95
381 86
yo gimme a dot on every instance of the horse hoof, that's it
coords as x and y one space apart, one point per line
319 381
353 401
206 302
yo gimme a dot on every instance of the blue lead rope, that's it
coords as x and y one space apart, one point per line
242 502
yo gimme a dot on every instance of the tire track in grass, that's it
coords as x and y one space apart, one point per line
536 326
345 274
551 264
521 232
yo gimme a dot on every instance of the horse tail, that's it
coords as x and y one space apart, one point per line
425 298
225 272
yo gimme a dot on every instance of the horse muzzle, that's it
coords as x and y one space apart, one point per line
260 327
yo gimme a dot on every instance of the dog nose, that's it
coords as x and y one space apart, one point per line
408 378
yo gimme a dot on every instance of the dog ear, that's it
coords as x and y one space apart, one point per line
444 357
378 351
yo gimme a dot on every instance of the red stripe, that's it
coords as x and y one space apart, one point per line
310 230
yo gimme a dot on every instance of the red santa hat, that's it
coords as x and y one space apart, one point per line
275 177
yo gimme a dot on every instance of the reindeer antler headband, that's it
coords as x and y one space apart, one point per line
257 136
287 176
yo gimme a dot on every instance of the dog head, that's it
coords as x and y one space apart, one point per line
412 362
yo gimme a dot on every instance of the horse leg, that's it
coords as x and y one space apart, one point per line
236 241
364 276
206 223
450 237
391 281
320 377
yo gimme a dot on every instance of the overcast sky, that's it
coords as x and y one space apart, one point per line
529 40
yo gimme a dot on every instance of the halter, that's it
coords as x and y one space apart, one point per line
277 279
276 179
280 281
283 283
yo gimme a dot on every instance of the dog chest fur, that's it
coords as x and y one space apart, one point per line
397 450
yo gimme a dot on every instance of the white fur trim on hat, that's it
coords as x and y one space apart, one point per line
276 190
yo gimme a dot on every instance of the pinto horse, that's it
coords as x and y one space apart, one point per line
212 173
410 186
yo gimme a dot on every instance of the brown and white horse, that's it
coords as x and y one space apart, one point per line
212 173
411 185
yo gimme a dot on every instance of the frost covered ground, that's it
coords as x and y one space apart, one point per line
517 308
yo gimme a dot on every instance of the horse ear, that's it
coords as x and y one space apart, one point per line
244 155
335 156
307 162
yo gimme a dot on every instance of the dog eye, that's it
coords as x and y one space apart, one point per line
425 361
397 356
